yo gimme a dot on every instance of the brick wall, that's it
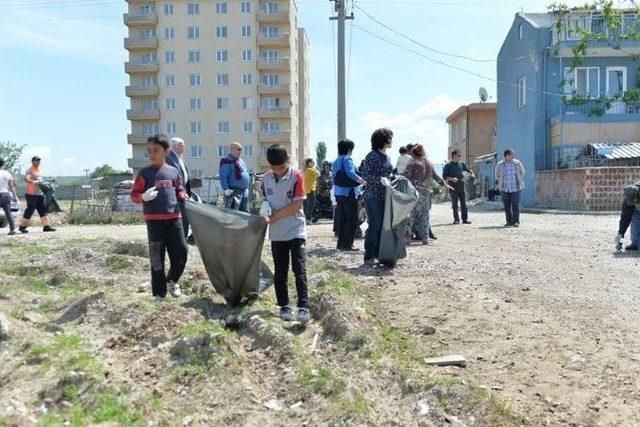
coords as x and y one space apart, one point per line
589 189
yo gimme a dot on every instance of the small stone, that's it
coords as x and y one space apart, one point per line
451 360
144 287
296 405
36 301
319 279
422 407
526 288
32 317
4 328
422 330
187 421
508 300
295 327
273 404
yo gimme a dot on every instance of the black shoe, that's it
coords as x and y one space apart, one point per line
466 222
23 230
191 240
631 248
48 228
432 236
509 224
516 224
456 221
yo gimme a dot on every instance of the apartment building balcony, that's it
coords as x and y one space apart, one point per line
137 163
277 40
132 67
265 89
274 113
143 115
131 91
136 139
599 107
137 44
282 15
133 20
280 64
274 137
570 32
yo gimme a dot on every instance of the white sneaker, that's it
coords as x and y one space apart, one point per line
157 298
174 288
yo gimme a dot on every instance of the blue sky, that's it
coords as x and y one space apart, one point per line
62 76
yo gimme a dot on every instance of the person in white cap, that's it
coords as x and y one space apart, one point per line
175 159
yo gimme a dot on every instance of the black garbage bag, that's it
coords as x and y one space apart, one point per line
400 200
230 243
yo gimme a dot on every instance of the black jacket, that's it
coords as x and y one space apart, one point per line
172 160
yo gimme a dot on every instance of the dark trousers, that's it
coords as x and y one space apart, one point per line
310 205
375 216
185 220
5 204
282 251
511 202
458 194
166 236
347 209
34 203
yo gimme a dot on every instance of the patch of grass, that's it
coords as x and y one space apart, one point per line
17 313
46 306
201 327
88 218
66 353
116 263
39 285
320 379
110 408
358 405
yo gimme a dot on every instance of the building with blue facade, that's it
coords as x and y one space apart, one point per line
550 108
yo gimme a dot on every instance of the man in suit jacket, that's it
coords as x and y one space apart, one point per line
174 158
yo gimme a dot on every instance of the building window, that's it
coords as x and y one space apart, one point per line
195 104
150 106
170 57
193 32
269 8
222 79
222 103
271 127
196 127
170 80
168 9
149 58
171 128
246 31
197 152
170 104
245 7
270 103
522 91
270 79
247 103
193 9
150 128
147 34
169 33
247 151
247 79
223 127
222 55
269 32
194 80
246 55
194 56
221 7
247 127
616 80
224 150
149 82
222 32
269 55
520 32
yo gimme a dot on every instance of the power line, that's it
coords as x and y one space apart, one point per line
80 18
455 67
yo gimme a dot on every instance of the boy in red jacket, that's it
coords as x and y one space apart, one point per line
158 187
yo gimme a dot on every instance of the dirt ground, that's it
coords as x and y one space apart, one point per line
545 315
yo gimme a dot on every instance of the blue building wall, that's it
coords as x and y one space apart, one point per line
528 129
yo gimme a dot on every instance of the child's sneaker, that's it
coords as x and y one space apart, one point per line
303 315
286 313
174 288
157 298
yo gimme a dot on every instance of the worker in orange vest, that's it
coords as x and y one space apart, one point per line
35 198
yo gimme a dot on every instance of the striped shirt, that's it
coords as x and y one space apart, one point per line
510 180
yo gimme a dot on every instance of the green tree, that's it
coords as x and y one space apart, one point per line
613 26
11 153
321 154
105 170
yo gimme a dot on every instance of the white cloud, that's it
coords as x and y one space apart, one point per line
425 124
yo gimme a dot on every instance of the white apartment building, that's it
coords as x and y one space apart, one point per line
213 72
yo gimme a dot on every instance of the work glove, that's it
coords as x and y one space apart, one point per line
228 192
265 211
385 181
150 194
618 242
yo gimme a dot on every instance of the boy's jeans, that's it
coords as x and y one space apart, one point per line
166 235
281 252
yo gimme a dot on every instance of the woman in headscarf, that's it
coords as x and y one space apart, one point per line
422 175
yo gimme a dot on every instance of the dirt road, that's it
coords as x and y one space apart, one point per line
546 315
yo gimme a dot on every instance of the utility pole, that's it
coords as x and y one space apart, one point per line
340 8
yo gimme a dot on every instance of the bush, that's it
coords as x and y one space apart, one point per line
87 218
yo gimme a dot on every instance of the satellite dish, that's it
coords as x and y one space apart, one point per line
483 94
